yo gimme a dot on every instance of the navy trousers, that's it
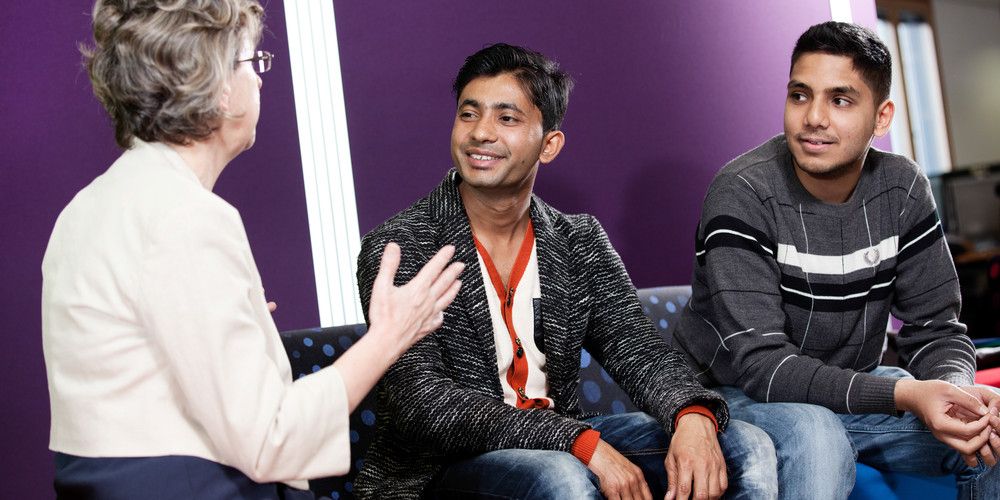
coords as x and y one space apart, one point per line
161 478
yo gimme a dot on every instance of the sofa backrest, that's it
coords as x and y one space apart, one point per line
308 351
598 392
311 349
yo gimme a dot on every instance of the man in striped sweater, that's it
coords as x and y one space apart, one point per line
806 244
487 406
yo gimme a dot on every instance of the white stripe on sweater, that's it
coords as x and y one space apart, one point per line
924 234
839 297
737 233
767 397
835 264
950 339
847 397
722 341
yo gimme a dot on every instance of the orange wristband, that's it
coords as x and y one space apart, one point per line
585 445
701 410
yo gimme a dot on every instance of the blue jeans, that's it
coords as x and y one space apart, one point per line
541 474
817 448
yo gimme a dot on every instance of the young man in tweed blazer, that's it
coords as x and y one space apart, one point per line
805 246
488 405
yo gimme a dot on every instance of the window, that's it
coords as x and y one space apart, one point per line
919 128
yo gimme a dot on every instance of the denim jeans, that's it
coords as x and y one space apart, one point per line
541 474
817 448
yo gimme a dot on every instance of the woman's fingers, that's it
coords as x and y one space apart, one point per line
432 269
446 279
387 267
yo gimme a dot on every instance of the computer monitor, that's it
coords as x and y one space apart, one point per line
970 204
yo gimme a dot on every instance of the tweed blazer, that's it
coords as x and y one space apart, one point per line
442 401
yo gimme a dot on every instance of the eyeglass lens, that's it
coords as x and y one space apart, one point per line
262 61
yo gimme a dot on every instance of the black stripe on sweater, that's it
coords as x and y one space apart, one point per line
719 240
837 289
816 301
918 245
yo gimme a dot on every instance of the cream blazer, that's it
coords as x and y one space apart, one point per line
157 337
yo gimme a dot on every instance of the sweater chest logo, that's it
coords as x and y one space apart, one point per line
872 256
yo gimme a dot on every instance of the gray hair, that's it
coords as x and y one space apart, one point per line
159 66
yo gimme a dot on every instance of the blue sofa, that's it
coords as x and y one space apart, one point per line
311 349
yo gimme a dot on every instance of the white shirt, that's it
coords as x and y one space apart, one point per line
527 292
157 337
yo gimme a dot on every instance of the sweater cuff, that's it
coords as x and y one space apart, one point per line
872 394
585 445
701 410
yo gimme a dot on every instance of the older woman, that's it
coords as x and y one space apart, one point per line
166 374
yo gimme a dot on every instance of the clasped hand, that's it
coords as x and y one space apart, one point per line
964 418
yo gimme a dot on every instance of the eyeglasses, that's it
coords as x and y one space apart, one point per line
261 61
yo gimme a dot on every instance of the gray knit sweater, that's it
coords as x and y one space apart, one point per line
792 295
442 400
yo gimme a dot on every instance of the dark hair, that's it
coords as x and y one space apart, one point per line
869 55
540 77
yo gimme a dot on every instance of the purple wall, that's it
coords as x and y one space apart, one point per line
666 93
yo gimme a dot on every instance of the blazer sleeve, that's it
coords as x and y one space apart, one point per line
624 342
200 299
426 405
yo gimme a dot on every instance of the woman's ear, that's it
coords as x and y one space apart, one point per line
224 98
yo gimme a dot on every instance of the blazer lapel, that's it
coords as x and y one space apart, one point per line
447 209
555 276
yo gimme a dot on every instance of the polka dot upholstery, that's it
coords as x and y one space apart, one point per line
310 350
598 392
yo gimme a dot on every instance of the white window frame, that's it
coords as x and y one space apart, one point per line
326 158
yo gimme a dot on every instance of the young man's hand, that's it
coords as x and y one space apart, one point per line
620 479
953 415
695 465
990 452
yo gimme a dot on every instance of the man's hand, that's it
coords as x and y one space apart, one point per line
955 417
272 306
990 452
695 465
620 479
989 397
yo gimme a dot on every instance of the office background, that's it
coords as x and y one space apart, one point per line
666 93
